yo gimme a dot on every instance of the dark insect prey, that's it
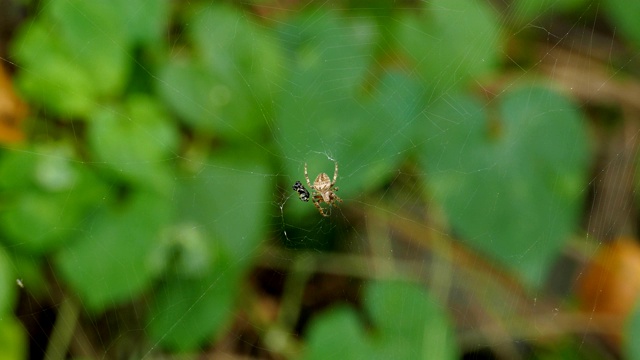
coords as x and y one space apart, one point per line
302 192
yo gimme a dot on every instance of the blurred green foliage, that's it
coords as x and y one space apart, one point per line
631 345
225 86
409 325
476 162
150 170
623 15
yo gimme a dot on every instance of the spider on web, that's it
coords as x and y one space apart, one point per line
323 189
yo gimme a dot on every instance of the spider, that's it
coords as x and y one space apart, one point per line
303 193
323 189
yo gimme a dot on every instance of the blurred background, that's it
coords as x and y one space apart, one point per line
485 155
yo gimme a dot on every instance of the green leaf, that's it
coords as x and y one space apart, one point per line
8 285
337 334
227 204
144 21
327 52
409 323
109 262
21 165
531 10
32 274
229 199
47 197
624 17
186 249
79 51
631 346
34 223
152 140
195 95
227 86
452 43
13 339
243 53
96 39
207 103
52 79
190 311
511 179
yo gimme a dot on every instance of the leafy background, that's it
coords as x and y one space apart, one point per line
486 152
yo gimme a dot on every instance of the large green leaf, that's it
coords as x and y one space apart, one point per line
13 342
51 77
226 85
95 38
526 11
247 57
46 197
327 54
511 179
110 261
77 52
632 332
197 96
407 324
337 334
228 198
451 43
144 21
13 339
136 142
226 206
624 17
31 271
188 311
7 285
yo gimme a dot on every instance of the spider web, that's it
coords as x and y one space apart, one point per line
340 93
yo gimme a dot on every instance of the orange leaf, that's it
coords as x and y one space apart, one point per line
610 285
12 111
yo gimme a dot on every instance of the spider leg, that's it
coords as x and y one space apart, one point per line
316 201
335 173
306 176
335 199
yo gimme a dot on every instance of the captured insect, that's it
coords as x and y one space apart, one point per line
302 192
